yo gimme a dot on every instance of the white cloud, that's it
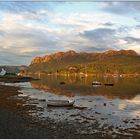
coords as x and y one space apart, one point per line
27 34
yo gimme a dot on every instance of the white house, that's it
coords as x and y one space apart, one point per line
3 72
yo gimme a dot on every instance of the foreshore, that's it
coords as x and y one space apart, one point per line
17 123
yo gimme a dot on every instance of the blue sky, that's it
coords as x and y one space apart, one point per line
29 29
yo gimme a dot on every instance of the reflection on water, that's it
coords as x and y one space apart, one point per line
116 107
123 88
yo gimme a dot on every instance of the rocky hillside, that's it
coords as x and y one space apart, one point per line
112 61
83 56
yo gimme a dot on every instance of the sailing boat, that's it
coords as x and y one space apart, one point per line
3 72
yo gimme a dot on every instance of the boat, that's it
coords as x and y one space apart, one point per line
60 103
62 83
109 84
42 100
96 83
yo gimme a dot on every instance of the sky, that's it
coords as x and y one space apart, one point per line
30 29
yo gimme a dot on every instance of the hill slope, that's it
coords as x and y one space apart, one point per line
123 61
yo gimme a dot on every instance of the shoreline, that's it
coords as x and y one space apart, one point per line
82 75
15 79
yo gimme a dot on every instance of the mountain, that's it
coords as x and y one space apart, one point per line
112 61
13 69
82 56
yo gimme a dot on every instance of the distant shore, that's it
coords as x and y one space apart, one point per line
82 75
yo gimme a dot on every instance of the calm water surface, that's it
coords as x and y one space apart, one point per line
123 88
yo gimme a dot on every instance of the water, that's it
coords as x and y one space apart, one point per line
115 106
123 88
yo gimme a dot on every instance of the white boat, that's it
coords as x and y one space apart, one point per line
96 83
60 103
3 72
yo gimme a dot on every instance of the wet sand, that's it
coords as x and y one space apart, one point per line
16 122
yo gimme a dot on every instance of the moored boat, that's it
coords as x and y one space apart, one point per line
96 83
60 103
109 84
62 83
